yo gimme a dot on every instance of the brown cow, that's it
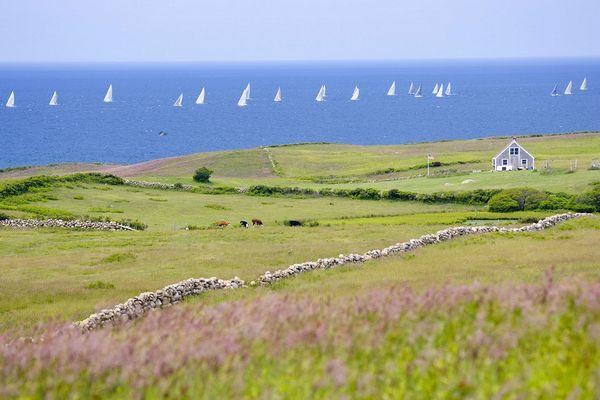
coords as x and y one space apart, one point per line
221 224
257 222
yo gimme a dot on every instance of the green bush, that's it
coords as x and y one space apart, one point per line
4 216
502 202
202 175
100 285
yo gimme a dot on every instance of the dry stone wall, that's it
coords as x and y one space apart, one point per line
137 306
60 223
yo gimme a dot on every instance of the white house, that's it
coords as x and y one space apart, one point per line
513 157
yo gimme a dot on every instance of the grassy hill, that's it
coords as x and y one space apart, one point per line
64 275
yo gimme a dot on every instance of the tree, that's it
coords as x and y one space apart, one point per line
202 175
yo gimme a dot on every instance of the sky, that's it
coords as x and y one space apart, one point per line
270 30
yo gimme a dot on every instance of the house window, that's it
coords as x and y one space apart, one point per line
514 151
524 162
504 161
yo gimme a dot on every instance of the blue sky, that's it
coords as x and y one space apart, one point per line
259 30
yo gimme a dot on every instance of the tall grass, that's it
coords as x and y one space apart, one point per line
538 341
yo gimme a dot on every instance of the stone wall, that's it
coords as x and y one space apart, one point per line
440 236
157 185
60 223
137 306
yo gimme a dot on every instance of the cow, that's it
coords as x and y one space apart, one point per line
244 224
293 222
256 222
221 224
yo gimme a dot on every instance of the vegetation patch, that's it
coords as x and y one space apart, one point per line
119 257
105 210
216 207
100 285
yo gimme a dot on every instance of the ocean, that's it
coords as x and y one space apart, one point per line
500 97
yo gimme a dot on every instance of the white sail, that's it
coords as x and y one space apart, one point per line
179 101
435 89
554 91
321 94
569 89
449 89
418 92
324 91
440 92
200 99
583 84
247 91
108 98
355 94
243 101
54 99
411 89
11 100
278 95
392 89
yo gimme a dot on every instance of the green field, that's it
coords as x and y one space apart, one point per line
65 275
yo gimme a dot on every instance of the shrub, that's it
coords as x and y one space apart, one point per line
202 175
3 216
526 198
135 224
502 202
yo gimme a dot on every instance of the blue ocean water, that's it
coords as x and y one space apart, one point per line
492 98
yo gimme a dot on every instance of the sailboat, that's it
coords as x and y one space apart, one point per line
248 91
569 89
321 94
355 94
108 97
440 92
277 95
554 91
54 99
435 89
392 90
411 89
418 92
11 100
449 90
200 99
583 84
243 101
179 101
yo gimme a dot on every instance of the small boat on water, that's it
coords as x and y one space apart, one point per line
11 100
200 99
179 101
554 91
440 92
569 88
435 89
277 95
355 94
392 90
418 92
411 89
321 95
583 84
449 90
248 91
108 98
54 99
243 101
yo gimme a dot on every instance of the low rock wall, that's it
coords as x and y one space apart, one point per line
60 223
139 305
325 263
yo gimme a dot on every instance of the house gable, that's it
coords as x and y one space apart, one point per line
511 144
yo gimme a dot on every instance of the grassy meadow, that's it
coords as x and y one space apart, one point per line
504 315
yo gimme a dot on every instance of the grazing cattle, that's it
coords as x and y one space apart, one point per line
257 222
293 222
244 224
221 224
